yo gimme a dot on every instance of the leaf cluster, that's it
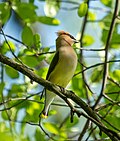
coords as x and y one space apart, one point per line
20 97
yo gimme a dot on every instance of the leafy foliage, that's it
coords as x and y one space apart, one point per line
52 8
82 10
49 20
20 103
5 12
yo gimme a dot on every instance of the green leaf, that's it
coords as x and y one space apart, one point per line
4 115
39 136
2 85
17 89
5 137
106 21
5 47
26 11
31 1
91 16
51 128
82 9
45 49
29 52
33 109
27 36
113 117
48 20
117 114
32 61
37 42
116 75
111 88
96 74
115 44
51 8
42 72
70 125
79 88
106 2
11 72
88 40
5 12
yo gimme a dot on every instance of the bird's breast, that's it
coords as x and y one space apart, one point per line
65 67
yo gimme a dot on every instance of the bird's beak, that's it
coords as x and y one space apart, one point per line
76 41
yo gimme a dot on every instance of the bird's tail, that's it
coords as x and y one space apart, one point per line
49 97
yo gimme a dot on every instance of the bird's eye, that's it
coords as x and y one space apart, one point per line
71 37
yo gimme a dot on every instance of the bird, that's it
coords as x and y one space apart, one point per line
62 66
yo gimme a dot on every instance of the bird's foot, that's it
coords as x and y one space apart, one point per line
62 89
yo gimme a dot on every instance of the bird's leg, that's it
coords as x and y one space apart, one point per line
42 94
62 89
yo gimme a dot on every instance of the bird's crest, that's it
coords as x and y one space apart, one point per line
62 32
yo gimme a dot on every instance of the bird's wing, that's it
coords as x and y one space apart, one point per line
53 64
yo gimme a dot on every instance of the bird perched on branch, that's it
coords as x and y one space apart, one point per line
62 67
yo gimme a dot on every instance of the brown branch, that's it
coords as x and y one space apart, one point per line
99 108
93 66
14 39
34 124
64 121
81 53
66 94
84 130
47 84
113 81
91 132
113 93
16 104
110 108
102 118
113 135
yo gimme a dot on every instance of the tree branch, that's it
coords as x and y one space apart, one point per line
66 94
105 67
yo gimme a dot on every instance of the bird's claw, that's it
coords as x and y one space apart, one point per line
62 89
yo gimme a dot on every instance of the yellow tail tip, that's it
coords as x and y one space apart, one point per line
43 116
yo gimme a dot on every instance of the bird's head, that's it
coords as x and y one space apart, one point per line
65 39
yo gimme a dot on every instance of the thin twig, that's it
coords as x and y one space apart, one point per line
105 67
84 130
34 124
110 108
98 64
81 54
102 118
101 107
22 100
113 81
14 39
91 131
12 51
2 96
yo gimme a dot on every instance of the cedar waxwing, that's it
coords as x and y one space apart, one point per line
62 67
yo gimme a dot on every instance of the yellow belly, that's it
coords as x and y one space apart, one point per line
64 70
